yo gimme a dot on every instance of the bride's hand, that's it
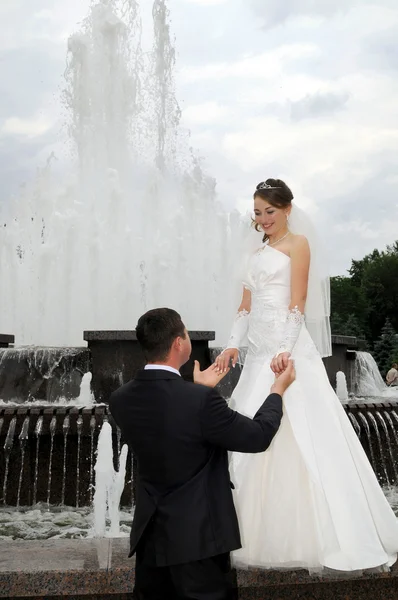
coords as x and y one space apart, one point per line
280 362
210 377
226 358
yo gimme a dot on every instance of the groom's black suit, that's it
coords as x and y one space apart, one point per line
185 523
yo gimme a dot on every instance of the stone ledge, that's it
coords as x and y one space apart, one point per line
345 340
6 339
130 336
100 568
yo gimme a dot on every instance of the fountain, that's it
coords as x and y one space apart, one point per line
136 223
341 386
109 484
368 383
120 236
372 404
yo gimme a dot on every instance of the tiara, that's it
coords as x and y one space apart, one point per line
267 186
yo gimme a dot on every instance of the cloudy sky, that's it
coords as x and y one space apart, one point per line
306 90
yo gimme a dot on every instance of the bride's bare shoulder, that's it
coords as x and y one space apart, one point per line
299 246
298 240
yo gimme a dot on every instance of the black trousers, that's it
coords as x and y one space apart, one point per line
208 579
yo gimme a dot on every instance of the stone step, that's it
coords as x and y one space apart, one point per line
99 568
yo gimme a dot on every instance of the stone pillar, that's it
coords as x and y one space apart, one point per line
116 357
6 340
344 351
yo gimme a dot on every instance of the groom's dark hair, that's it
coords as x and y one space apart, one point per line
156 331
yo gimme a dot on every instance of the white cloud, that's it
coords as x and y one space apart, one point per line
206 2
205 114
312 98
317 105
260 66
276 12
29 128
24 23
356 227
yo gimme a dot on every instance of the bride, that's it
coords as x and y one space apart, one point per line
312 500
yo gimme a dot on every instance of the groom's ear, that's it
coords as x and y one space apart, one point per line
177 344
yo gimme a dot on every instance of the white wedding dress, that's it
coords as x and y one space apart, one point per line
312 499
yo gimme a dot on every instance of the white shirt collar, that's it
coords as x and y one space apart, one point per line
163 368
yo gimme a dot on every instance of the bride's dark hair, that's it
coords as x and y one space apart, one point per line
277 193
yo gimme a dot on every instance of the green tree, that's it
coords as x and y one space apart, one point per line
358 267
352 327
348 308
364 301
380 290
337 324
386 348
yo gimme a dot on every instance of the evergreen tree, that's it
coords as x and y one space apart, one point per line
352 327
336 324
369 294
386 348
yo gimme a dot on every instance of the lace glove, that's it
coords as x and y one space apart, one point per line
293 326
239 330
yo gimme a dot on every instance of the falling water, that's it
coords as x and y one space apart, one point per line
69 240
117 491
53 426
109 483
119 441
395 433
367 379
368 435
23 438
86 396
341 386
103 478
48 375
8 444
393 428
355 424
65 429
93 423
38 430
79 425
383 460
389 444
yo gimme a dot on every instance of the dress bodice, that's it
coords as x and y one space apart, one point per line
268 279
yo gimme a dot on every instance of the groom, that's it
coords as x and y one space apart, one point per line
185 523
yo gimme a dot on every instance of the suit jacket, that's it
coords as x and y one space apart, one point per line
180 433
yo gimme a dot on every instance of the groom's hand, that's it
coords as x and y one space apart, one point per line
285 379
210 377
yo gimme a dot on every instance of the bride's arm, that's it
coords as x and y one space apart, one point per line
238 333
241 322
300 265
246 302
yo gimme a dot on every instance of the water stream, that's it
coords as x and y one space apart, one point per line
130 176
23 440
53 425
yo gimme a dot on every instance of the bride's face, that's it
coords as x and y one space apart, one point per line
271 218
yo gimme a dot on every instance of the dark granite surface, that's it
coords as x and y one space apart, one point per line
117 335
348 340
6 339
127 336
93 568
42 373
